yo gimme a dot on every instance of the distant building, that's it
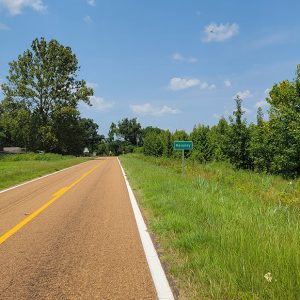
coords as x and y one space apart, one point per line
86 151
14 150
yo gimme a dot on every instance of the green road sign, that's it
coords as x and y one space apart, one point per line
183 145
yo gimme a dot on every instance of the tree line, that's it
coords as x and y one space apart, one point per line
271 145
39 111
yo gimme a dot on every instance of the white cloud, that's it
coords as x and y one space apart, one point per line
91 2
15 7
219 33
4 27
227 83
177 57
177 83
192 60
87 19
180 58
243 95
149 109
100 104
205 86
261 103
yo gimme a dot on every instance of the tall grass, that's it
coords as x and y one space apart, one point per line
225 234
34 156
16 168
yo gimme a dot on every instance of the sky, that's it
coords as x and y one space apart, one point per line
172 63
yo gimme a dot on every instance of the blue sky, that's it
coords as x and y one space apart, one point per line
170 63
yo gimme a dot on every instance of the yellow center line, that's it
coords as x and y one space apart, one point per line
56 195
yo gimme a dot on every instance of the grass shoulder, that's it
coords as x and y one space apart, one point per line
17 168
224 233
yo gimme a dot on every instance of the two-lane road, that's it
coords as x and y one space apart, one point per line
72 235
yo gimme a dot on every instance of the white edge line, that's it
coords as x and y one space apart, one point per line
161 283
42 177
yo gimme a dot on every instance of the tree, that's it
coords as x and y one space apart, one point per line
168 144
218 137
130 131
112 132
44 81
238 139
153 144
2 132
102 148
284 124
124 137
68 132
202 148
150 129
91 138
259 147
115 148
2 139
15 124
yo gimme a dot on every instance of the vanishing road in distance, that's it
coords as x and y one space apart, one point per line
72 235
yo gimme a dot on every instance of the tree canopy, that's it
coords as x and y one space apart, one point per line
41 97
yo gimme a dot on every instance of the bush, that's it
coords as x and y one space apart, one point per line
138 150
34 156
153 144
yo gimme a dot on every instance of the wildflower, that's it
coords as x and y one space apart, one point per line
290 182
268 277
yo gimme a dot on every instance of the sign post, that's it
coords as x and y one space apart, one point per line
183 145
182 162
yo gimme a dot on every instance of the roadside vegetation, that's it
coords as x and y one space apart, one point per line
39 109
269 146
39 112
16 168
224 233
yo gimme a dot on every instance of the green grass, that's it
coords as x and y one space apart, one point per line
16 168
221 230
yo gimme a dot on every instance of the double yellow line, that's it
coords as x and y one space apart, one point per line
56 196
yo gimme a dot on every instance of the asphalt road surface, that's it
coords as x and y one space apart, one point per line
72 235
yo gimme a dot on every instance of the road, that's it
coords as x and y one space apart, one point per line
72 235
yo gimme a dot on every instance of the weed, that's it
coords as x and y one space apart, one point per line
16 168
225 233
